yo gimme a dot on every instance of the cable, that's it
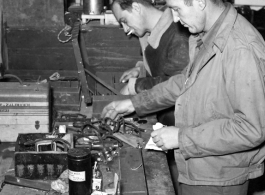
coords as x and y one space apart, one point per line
65 29
13 76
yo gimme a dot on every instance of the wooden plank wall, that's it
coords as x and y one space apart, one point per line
33 13
108 49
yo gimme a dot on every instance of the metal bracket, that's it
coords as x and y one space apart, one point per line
86 90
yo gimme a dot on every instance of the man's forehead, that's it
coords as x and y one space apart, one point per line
116 7
117 11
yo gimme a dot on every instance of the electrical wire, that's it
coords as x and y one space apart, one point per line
13 76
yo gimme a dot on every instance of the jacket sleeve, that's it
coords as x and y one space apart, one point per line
159 97
146 83
245 128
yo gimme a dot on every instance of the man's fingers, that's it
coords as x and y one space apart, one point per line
109 111
112 113
154 133
104 113
124 78
125 90
155 139
118 116
164 148
159 143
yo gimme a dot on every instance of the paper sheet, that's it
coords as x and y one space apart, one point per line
150 144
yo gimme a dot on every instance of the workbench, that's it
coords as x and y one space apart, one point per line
34 53
150 178
153 175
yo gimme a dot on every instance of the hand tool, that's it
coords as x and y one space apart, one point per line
35 184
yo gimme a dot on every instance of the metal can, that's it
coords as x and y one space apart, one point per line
80 171
93 7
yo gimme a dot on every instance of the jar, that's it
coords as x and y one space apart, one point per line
80 171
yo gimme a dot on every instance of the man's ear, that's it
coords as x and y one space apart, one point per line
201 3
136 7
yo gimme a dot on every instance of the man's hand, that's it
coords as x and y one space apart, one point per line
125 90
132 73
118 108
166 138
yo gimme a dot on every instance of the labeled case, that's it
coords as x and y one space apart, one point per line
24 108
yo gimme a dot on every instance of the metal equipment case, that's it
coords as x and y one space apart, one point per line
24 108
37 160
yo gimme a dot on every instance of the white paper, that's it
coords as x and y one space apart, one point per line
114 190
99 193
150 144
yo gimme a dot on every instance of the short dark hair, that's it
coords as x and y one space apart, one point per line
217 2
127 4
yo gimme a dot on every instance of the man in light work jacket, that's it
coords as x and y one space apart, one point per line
164 46
219 103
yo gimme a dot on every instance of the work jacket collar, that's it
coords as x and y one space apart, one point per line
219 33
216 37
162 25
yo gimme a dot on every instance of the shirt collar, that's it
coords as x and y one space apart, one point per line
162 25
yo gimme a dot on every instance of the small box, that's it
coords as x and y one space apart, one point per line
24 108
248 2
110 18
66 95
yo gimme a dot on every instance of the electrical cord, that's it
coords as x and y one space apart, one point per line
66 30
13 76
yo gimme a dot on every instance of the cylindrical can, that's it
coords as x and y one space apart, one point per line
93 7
80 171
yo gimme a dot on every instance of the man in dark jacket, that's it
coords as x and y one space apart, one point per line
164 47
165 53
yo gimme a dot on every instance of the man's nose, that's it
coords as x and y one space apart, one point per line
175 15
125 27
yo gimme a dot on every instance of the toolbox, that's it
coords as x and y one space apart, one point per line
24 108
